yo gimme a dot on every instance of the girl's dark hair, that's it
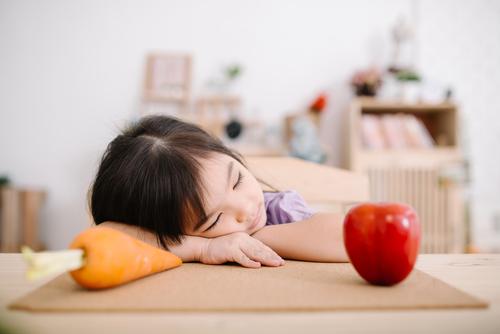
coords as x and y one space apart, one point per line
149 177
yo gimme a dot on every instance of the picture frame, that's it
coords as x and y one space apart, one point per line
168 78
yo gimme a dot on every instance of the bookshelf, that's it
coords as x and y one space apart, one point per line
440 120
415 175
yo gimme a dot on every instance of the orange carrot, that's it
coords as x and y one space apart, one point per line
109 258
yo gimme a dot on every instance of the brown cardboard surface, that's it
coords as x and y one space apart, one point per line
296 286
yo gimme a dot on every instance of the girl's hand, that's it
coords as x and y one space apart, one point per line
241 248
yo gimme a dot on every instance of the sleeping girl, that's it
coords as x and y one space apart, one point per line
172 185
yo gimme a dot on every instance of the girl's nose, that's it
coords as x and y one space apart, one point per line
242 208
243 214
241 217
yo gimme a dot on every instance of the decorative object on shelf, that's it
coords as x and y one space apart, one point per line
408 85
407 76
366 82
402 81
233 72
305 143
234 129
319 104
448 94
403 38
4 180
225 80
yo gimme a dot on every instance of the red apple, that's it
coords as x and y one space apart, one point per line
382 241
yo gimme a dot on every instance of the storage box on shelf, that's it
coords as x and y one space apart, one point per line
418 176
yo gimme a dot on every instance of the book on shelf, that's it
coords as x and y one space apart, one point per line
394 132
417 134
371 132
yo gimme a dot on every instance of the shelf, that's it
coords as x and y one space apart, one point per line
410 157
412 151
384 106
440 120
411 175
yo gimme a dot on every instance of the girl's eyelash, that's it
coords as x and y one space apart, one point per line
215 222
238 182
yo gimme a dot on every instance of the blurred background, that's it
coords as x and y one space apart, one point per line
405 91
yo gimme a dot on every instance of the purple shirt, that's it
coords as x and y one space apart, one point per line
285 207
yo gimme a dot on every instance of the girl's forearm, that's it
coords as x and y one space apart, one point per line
319 238
189 250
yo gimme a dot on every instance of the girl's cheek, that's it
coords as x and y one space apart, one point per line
252 183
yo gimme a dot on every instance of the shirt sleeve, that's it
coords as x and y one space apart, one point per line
286 207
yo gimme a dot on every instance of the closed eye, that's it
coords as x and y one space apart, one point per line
238 182
214 223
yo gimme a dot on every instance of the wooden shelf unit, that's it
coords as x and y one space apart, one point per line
415 176
441 120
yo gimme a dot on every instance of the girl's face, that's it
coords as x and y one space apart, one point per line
234 199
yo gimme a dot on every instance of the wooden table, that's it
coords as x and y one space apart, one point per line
477 274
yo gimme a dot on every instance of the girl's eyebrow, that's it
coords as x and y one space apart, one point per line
202 221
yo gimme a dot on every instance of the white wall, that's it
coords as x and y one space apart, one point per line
70 75
460 44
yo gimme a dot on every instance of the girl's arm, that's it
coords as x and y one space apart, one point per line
189 251
236 247
319 238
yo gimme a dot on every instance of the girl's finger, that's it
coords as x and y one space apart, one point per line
269 252
263 254
245 261
273 255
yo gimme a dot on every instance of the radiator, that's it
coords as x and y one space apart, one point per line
438 205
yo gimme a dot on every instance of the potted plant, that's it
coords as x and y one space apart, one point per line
409 85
